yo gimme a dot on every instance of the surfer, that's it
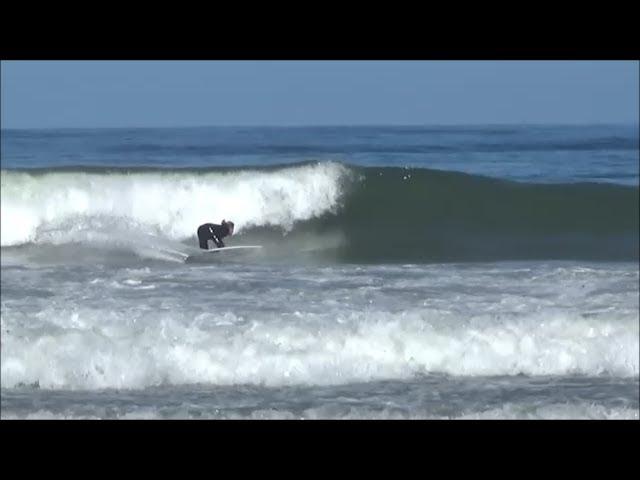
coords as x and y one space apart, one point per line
212 231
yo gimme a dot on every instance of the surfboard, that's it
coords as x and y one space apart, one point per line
225 249
201 255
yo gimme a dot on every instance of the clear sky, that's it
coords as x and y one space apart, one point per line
44 94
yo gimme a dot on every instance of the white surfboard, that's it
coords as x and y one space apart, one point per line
224 249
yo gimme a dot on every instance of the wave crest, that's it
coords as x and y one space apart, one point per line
170 203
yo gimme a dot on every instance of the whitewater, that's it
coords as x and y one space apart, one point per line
162 203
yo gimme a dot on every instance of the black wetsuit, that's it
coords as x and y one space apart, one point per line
212 231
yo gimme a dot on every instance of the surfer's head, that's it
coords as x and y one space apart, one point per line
229 226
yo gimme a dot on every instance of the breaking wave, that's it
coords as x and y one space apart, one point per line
380 214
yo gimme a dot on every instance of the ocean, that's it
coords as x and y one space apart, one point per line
452 272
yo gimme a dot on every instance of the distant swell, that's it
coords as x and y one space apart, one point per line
376 214
610 143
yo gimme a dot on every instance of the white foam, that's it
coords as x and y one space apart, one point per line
509 411
58 207
566 411
88 349
556 411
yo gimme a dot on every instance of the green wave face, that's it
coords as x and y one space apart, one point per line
399 215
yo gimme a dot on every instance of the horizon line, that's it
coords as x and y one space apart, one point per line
330 125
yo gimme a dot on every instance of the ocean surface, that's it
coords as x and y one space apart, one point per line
470 272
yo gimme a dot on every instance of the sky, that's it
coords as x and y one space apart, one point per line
90 94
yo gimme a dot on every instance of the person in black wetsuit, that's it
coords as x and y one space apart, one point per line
212 231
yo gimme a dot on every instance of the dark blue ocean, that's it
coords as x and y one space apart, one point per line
405 272
527 153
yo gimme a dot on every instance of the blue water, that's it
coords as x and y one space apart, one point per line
524 153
